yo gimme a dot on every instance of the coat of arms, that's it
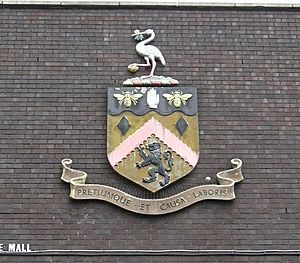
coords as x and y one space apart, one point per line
152 124
152 139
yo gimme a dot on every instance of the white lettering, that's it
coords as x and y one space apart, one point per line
11 247
18 247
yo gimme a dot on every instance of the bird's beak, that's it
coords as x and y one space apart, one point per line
139 33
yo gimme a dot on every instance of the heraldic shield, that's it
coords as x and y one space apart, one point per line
152 134
152 139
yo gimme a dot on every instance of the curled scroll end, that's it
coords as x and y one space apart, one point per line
66 174
66 163
237 162
237 171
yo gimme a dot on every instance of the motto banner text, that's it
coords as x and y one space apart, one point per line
223 191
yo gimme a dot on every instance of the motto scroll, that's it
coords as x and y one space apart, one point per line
223 191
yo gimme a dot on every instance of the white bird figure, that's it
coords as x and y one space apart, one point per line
149 52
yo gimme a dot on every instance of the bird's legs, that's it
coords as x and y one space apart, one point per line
144 65
153 63
153 66
148 64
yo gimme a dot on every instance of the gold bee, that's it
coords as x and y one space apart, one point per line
127 98
177 97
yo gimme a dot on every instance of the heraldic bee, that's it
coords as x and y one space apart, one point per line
177 97
127 98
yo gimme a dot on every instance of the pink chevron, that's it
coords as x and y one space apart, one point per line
153 127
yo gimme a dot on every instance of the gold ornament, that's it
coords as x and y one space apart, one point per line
132 68
127 98
177 97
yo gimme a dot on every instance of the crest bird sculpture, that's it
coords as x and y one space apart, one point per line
148 52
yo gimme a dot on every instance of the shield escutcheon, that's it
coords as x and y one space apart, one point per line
152 134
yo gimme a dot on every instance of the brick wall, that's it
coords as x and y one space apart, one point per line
55 67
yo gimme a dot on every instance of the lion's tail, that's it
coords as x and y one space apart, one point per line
168 156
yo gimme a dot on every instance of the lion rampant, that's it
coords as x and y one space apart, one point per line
155 157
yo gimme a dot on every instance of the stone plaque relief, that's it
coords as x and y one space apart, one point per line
152 140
